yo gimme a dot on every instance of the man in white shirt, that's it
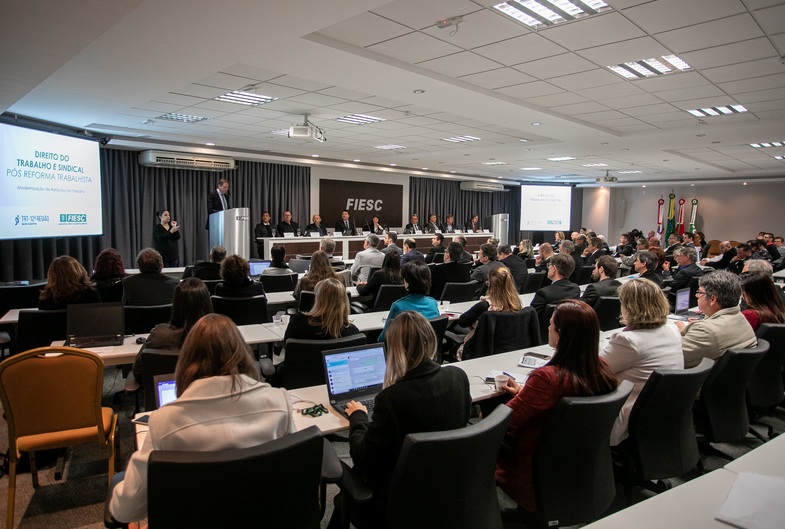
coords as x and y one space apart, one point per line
369 257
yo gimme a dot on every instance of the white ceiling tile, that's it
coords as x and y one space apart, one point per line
600 116
580 108
664 15
284 105
414 48
555 66
478 29
528 90
766 106
241 118
772 19
417 14
627 51
498 78
261 112
745 70
251 72
593 31
760 4
623 4
749 50
197 90
752 85
463 63
704 102
365 29
565 98
226 81
664 116
317 100
690 93
382 102
631 101
671 81
299 83
605 92
520 49
635 128
343 93
618 122
762 95
222 106
178 99
324 113
590 79
386 114
708 34
163 108
274 90
676 124
778 40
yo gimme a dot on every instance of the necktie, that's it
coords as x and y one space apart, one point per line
223 201
346 224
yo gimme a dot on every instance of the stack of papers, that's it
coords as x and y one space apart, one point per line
754 502
532 362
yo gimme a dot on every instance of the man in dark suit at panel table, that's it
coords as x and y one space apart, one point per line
560 268
604 273
345 226
263 229
287 226
449 226
516 265
316 226
149 286
217 200
451 271
413 226
473 224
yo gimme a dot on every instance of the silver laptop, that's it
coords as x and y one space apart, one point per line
682 308
354 373
258 267
95 325
165 389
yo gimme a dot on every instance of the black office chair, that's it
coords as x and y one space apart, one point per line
608 309
304 257
299 265
765 388
439 325
242 311
39 328
303 365
459 292
211 284
372 270
387 295
278 282
500 332
583 275
140 319
545 321
533 282
661 442
223 488
531 262
572 467
19 297
722 407
438 258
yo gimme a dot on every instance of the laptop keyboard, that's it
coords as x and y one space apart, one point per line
82 342
367 403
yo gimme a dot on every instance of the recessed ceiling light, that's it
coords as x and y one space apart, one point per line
644 185
499 177
452 171
393 164
650 67
390 147
542 13
494 163
629 172
778 157
536 123
245 98
692 185
211 144
561 159
356 160
745 183
184 118
280 132
524 139
717 111
424 168
531 169
314 156
767 144
595 165
461 139
418 91
360 119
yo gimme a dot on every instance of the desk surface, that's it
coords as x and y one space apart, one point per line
768 459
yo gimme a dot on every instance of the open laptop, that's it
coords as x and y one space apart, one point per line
165 389
95 325
682 308
257 267
354 373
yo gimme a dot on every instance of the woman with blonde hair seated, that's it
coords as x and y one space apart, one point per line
646 343
319 269
220 405
524 250
67 283
329 317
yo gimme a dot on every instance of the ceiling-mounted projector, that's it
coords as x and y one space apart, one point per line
607 180
307 131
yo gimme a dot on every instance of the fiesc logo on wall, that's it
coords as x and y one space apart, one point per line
363 200
30 220
69 219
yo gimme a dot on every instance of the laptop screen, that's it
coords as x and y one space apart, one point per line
357 369
95 319
682 299
257 267
165 389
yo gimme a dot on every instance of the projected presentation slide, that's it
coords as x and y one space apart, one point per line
51 185
545 208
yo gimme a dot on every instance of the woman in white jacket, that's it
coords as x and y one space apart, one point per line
220 405
648 342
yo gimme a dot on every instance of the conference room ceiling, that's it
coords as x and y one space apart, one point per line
117 71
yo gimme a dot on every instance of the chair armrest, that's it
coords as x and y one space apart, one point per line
332 471
354 486
131 384
455 339
268 369
362 307
109 521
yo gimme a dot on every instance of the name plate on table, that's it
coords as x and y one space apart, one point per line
366 233
458 231
315 234
438 231
288 234
469 231
486 231
418 232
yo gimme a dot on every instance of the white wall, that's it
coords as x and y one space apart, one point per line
596 201
725 212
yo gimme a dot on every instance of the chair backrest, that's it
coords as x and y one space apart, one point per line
572 468
303 366
222 488
278 282
439 325
662 433
501 332
723 396
583 275
693 284
459 292
140 319
387 295
19 297
156 362
531 262
372 270
533 282
39 328
545 321
211 284
299 265
446 479
307 299
438 258
304 257
42 394
765 387
608 309
242 311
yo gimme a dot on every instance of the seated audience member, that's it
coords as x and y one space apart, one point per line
191 301
581 242
689 242
605 284
236 283
417 279
345 226
763 303
451 271
316 226
318 269
605 247
722 261
210 271
724 326
651 235
327 245
389 274
413 226
466 257
768 241
374 227
149 286
624 247
411 379
642 245
390 239
700 239
593 251
220 405
661 258
574 370
108 275
488 262
278 264
515 264
685 257
449 225
778 243
67 283
759 250
559 238
543 258
646 343
674 241
364 260
287 226
524 250
573 235
654 242
758 265
432 226
559 269
569 248
743 256
410 252
646 265
437 246
329 317
473 224
502 296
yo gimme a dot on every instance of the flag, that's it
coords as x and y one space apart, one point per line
680 217
671 213
694 215
660 214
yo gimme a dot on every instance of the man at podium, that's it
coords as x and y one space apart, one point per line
217 200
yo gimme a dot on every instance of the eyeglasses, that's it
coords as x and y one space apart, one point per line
699 294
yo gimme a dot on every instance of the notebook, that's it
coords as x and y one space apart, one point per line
354 373
257 267
95 325
682 309
165 389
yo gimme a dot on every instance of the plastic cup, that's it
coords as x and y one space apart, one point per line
277 321
500 381
285 320
445 305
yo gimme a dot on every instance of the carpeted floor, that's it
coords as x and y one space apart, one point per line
78 500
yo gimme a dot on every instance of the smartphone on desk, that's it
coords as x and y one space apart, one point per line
144 419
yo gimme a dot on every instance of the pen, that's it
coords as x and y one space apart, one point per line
509 375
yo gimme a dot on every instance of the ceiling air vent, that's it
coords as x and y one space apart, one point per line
474 185
183 160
